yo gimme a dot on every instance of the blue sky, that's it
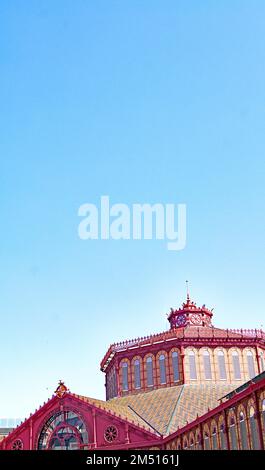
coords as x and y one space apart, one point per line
145 102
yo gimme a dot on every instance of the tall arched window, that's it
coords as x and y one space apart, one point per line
251 367
111 377
232 433
221 365
137 374
263 412
223 440
198 441
192 364
236 365
214 438
149 372
253 429
207 445
262 362
162 369
114 383
243 431
207 365
175 366
124 369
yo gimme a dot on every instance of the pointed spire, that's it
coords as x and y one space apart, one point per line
188 293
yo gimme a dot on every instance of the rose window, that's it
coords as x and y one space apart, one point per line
17 445
111 433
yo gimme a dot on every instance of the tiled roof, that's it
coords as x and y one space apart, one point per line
120 410
196 400
165 409
154 407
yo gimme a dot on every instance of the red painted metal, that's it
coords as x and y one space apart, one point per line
131 435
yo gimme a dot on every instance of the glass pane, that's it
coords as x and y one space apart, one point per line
222 369
175 364
262 363
193 372
243 432
162 369
137 374
207 366
125 376
233 437
237 373
214 438
223 440
149 370
251 367
254 433
207 443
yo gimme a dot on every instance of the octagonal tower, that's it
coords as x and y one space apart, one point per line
192 351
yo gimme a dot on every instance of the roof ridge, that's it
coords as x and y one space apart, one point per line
174 411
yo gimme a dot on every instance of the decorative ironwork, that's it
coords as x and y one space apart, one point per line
17 445
111 433
61 390
64 430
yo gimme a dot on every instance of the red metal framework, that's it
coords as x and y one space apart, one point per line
69 421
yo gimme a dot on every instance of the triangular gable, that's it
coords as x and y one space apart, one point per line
101 425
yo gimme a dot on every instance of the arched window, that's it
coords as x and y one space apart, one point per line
162 369
214 438
192 364
191 443
253 429
232 433
206 441
137 374
175 366
263 412
149 372
262 362
185 444
207 365
198 441
65 430
124 368
236 365
115 385
221 365
251 367
111 383
223 441
243 431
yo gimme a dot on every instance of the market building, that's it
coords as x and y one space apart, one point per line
194 386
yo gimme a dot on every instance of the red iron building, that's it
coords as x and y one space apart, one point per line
193 386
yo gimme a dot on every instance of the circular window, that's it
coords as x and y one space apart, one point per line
111 433
17 445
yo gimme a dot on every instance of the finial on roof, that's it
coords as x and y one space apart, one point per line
61 390
188 294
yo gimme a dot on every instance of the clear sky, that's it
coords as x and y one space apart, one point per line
144 101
